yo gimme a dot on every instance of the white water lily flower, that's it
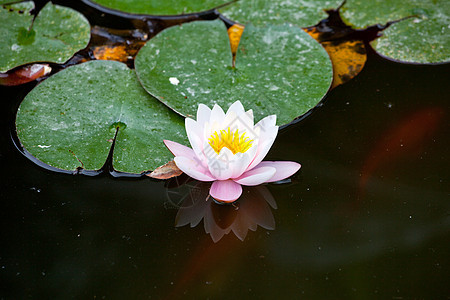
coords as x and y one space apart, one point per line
228 149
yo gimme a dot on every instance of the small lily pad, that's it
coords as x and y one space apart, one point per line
158 7
302 13
70 119
279 70
56 35
422 38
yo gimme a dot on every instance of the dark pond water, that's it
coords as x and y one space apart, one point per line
367 217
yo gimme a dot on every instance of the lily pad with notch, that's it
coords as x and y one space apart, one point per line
69 120
422 35
56 35
279 69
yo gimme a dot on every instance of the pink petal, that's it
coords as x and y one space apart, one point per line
256 176
284 169
178 149
225 190
193 168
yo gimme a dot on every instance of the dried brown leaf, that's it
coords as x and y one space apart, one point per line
347 56
24 74
234 34
166 171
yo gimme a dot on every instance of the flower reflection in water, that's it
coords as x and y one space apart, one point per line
252 209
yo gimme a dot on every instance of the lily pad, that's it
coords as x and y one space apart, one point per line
299 12
56 35
423 38
158 7
70 119
279 70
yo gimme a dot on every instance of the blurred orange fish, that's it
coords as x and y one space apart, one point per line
406 139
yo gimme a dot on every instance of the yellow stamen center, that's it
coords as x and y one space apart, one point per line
232 140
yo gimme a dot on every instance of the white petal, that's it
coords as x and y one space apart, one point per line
237 107
231 120
241 121
261 152
246 123
267 122
207 131
267 138
195 135
192 128
208 151
250 117
199 150
254 134
203 114
217 115
251 154
240 164
221 166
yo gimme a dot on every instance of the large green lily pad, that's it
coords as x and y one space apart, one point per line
57 33
424 38
279 69
299 12
158 7
74 114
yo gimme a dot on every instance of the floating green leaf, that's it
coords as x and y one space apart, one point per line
299 12
57 33
279 69
73 115
424 38
166 7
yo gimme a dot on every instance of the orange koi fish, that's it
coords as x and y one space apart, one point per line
406 139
